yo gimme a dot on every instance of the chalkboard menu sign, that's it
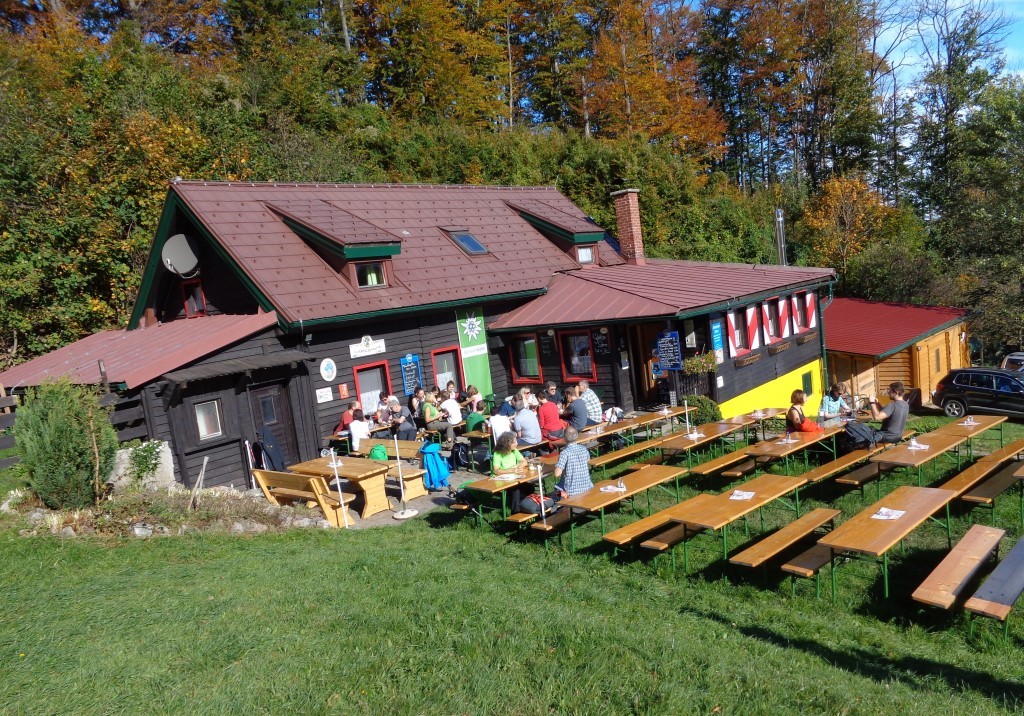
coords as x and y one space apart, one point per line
601 346
411 374
669 354
547 344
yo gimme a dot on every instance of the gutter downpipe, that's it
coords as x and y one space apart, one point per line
821 333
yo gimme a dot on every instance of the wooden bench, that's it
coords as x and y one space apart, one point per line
943 586
784 538
1007 452
630 533
745 468
521 518
969 478
667 540
407 449
808 564
841 463
872 471
287 487
1000 591
615 455
985 494
412 480
554 521
719 463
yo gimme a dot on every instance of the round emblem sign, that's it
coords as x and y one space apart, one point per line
328 370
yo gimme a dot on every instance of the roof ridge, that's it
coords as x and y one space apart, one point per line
363 185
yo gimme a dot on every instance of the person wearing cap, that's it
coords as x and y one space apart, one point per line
526 424
401 421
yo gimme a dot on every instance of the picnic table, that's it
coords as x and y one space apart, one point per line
501 484
867 533
759 416
786 446
366 476
934 444
978 425
701 435
602 497
717 514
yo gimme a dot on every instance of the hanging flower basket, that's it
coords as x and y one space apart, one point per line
700 364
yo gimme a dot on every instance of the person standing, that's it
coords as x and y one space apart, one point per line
573 469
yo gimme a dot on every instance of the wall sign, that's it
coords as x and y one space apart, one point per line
412 375
328 370
669 354
600 341
366 347
324 395
718 341
342 390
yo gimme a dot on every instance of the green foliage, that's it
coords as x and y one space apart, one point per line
707 409
67 444
143 460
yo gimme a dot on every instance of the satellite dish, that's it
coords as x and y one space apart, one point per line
179 255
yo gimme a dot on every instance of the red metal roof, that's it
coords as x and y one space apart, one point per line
659 288
137 357
431 268
873 328
331 221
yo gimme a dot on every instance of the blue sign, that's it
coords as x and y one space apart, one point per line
412 376
718 341
669 354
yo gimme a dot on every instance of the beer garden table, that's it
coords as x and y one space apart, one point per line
366 476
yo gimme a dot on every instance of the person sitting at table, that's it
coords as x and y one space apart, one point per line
576 411
451 409
507 458
473 398
832 403
381 413
358 429
400 420
436 421
796 421
591 400
507 407
572 471
476 419
551 390
450 391
347 417
893 416
416 403
526 424
499 423
551 426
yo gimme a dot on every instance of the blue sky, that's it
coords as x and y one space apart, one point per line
1014 43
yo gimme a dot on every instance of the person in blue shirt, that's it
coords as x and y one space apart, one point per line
832 403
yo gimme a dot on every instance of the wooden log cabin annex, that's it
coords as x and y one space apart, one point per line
266 308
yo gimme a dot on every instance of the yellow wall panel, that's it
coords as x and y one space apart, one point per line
776 393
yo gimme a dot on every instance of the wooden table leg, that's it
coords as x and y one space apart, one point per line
375 498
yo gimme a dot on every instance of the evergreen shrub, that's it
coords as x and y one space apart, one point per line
707 410
67 444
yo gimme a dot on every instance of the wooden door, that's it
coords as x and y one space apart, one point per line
272 418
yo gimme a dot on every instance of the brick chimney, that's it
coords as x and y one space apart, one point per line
627 212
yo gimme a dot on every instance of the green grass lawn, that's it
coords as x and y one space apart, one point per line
436 616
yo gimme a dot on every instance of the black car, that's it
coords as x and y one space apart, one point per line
981 390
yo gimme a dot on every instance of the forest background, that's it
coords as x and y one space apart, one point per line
888 132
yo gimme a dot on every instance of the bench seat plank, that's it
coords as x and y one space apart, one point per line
786 537
943 586
995 598
624 452
668 539
970 477
1006 452
629 533
988 491
861 476
719 463
554 521
807 564
521 518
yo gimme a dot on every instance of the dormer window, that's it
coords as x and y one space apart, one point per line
467 242
371 274
585 254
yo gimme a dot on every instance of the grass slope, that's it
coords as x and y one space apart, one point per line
436 616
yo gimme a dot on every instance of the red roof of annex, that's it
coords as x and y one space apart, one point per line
874 328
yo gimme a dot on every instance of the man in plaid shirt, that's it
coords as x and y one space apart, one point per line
592 402
572 470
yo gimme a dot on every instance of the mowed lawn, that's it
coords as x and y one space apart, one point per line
437 616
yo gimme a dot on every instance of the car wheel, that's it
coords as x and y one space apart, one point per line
954 408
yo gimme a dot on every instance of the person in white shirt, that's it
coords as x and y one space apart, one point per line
453 410
499 424
358 429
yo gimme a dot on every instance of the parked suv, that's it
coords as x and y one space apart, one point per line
981 390
1014 361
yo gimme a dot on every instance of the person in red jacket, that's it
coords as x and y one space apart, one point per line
551 426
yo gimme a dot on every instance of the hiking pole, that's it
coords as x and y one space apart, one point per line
540 489
404 513
337 483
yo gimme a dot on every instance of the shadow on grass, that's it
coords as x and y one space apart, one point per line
881 668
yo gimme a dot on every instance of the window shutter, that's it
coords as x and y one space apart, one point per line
731 326
812 315
784 318
766 322
753 334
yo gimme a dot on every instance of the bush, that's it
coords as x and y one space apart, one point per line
67 444
707 410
